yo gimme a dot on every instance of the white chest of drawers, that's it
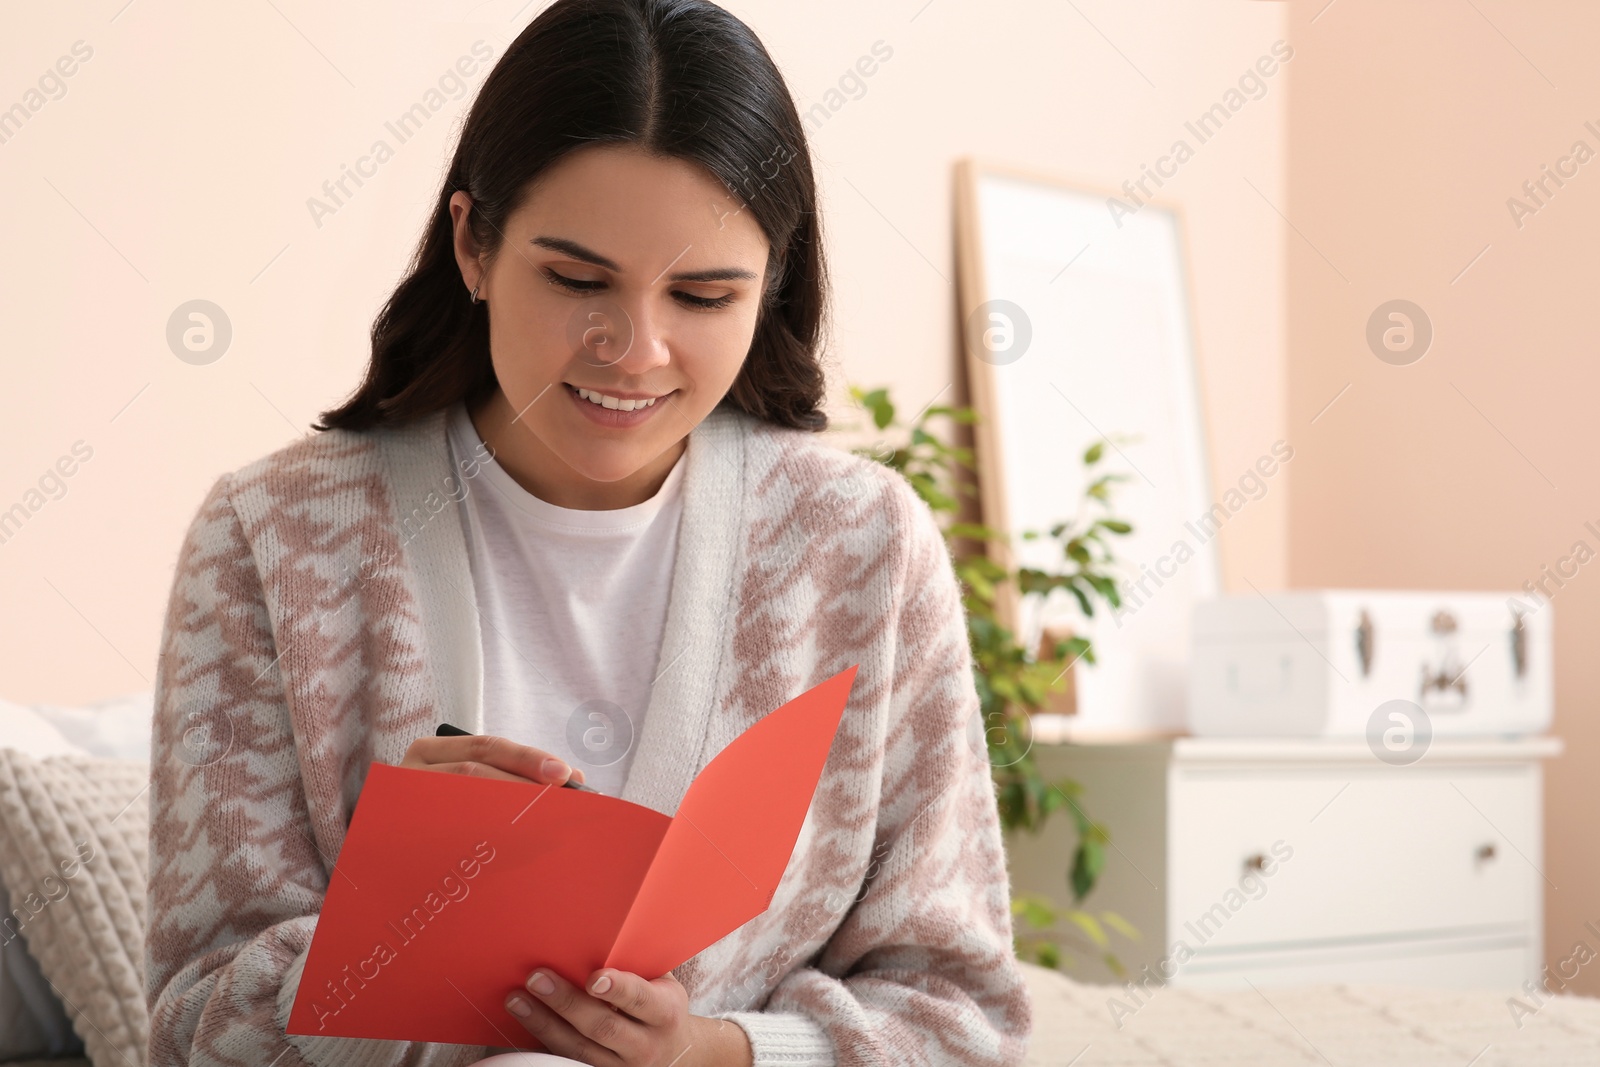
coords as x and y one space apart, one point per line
1282 862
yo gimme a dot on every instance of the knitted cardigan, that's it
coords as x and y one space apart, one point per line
322 617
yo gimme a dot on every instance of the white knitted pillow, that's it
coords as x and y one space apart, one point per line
73 853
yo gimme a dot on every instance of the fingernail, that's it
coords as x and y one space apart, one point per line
601 984
554 768
519 1007
540 983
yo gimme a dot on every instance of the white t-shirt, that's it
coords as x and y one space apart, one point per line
572 605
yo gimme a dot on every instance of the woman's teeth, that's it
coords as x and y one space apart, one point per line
612 402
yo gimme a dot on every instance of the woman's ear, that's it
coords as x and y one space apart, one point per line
468 257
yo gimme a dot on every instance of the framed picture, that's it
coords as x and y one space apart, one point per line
1076 327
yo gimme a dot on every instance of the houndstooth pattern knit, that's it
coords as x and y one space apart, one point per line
321 618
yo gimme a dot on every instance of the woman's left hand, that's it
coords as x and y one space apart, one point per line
622 1020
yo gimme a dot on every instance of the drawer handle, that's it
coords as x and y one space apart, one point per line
1485 853
1256 862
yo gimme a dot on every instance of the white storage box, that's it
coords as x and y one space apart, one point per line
1320 663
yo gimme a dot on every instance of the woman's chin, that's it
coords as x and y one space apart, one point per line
597 465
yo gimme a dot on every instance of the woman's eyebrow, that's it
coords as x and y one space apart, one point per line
579 252
576 251
715 274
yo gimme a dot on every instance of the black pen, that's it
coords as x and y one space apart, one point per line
446 730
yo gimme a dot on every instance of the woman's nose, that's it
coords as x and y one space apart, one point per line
647 347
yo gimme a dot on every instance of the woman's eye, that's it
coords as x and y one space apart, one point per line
705 301
578 285
574 285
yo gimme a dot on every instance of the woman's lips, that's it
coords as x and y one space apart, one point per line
604 416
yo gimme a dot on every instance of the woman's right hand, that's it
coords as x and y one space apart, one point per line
486 756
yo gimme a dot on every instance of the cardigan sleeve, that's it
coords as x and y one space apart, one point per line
236 879
922 969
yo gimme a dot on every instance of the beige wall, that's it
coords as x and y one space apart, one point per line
179 160
1410 127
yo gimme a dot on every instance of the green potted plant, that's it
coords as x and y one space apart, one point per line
1013 683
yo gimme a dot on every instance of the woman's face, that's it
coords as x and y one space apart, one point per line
632 278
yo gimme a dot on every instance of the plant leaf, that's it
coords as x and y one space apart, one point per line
1120 925
1090 926
1087 863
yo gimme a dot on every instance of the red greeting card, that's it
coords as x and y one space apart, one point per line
450 890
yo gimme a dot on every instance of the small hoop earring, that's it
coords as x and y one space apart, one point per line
475 299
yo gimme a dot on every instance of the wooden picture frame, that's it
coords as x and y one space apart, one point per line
1111 332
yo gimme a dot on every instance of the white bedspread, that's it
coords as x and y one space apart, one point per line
1329 1026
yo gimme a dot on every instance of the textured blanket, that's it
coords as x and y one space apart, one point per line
1329 1026
73 842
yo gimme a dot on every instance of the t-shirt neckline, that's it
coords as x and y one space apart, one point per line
542 512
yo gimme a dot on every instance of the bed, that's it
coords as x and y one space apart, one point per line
1330 1026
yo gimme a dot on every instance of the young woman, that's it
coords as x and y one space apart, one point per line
578 508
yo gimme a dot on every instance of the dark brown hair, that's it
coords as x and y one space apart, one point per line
678 78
